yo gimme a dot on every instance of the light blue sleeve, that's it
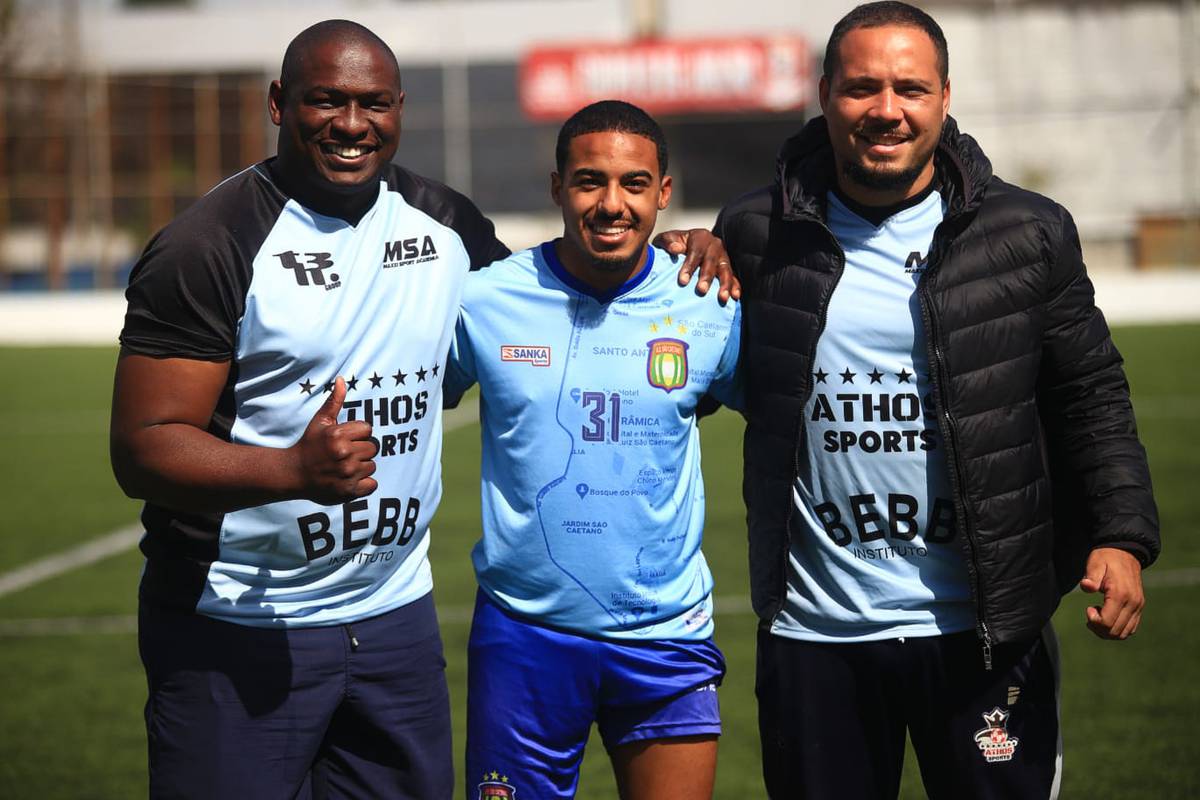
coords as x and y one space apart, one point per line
727 384
460 365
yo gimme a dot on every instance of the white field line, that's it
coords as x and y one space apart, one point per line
725 606
123 539
87 553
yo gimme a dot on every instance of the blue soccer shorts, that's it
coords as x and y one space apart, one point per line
357 710
534 692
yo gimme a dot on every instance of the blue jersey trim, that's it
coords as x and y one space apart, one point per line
598 295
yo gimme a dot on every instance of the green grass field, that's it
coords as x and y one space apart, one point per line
70 719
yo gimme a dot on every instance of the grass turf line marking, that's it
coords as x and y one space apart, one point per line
724 606
122 539
89 552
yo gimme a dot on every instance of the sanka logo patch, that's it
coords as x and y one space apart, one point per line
536 354
406 252
311 271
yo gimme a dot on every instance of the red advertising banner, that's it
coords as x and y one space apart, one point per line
707 76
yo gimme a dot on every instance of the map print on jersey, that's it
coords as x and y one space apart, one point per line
589 414
604 422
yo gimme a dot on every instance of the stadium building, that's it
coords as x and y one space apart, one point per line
115 115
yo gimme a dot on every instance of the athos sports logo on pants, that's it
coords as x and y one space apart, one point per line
994 741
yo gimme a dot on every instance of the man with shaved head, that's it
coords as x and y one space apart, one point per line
277 404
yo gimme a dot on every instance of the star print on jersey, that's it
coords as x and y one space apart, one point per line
422 373
306 386
881 407
393 415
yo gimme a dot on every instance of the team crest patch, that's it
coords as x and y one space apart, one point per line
496 787
536 354
666 364
994 741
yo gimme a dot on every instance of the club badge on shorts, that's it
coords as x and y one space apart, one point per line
666 364
496 787
994 741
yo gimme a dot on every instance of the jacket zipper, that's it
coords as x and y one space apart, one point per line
812 355
950 437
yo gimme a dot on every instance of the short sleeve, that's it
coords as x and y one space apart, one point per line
187 292
727 384
460 367
185 298
454 210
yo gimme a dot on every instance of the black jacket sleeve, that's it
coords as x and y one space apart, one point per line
1097 463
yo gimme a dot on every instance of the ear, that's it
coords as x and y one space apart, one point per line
664 193
823 93
556 185
400 103
946 100
275 101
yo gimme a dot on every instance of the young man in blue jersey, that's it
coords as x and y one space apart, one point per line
595 600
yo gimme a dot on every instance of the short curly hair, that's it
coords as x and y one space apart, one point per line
610 115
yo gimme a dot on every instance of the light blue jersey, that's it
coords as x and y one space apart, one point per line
878 556
593 502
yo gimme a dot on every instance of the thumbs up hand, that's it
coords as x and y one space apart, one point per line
336 459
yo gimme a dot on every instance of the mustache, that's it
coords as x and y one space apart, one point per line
600 218
881 130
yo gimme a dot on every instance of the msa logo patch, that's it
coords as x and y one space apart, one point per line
310 271
536 354
994 741
406 252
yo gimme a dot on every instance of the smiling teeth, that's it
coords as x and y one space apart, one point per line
611 230
347 152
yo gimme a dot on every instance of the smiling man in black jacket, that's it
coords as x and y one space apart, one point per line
940 441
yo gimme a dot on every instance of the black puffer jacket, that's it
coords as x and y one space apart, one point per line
1032 401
